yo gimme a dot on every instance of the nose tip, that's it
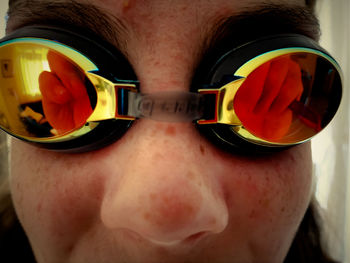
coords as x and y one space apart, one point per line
184 219
166 213
169 194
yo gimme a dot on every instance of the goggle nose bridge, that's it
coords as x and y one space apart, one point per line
123 101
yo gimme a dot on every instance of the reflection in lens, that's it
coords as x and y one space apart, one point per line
289 99
43 93
65 101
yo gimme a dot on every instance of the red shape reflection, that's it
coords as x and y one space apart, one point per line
65 100
262 102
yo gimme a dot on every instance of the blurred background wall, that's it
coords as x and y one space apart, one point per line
330 149
3 138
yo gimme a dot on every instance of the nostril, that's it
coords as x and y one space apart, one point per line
196 237
189 241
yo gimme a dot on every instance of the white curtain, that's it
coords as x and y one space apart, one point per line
331 148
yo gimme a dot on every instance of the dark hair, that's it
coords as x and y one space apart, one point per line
310 3
306 246
14 244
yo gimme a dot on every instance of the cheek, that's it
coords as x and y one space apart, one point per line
63 196
269 195
269 187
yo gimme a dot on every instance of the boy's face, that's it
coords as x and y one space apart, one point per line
162 193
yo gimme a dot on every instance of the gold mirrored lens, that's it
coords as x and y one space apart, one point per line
289 98
43 94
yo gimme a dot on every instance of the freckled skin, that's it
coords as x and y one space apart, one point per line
162 193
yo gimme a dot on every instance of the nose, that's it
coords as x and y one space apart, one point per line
166 192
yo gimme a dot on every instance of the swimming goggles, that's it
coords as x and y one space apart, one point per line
73 92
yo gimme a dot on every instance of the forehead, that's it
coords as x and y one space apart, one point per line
202 12
111 18
161 3
122 9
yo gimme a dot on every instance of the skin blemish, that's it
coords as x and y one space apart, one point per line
252 214
146 216
153 196
170 130
38 208
202 149
264 202
126 5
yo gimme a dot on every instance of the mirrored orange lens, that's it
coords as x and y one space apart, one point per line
289 98
43 93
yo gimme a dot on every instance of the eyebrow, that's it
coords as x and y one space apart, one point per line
68 14
242 27
261 21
